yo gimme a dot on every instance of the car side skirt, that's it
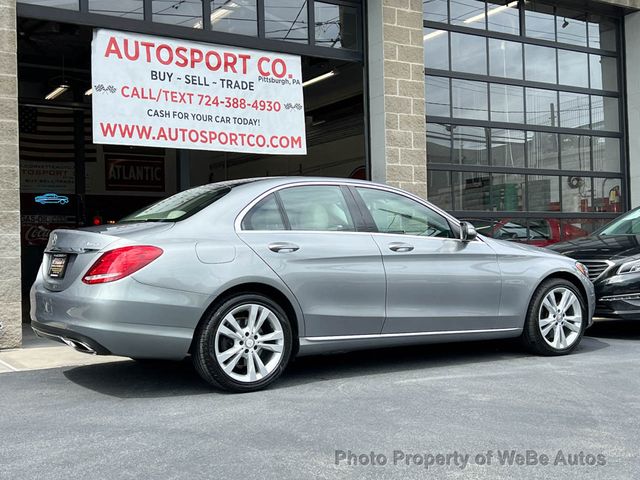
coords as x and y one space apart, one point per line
317 345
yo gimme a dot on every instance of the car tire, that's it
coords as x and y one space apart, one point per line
232 353
556 318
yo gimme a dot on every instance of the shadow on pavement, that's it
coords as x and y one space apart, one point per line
149 379
618 329
166 379
429 358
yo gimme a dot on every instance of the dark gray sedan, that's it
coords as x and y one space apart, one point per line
245 275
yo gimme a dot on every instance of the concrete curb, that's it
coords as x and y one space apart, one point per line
25 359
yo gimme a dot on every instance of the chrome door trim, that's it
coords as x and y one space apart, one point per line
346 183
409 334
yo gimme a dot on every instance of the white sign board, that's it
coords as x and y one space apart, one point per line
164 92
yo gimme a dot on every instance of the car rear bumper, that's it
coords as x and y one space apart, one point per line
71 339
125 318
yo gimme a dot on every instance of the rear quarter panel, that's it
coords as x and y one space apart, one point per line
211 265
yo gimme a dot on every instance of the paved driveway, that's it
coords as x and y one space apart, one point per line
470 403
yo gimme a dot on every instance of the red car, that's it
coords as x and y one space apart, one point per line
542 232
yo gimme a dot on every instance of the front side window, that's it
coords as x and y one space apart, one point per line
393 213
317 208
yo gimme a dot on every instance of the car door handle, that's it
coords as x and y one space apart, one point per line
400 247
283 247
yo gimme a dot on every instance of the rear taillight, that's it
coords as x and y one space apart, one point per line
120 262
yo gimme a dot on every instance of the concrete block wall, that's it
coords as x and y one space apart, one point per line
396 94
10 291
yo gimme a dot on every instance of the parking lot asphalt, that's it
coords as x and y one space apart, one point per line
483 402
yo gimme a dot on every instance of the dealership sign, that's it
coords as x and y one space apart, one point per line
163 92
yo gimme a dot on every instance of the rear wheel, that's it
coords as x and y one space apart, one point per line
556 318
244 345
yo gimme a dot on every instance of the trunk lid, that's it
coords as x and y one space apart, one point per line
69 253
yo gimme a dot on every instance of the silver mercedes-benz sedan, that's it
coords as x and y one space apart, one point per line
245 275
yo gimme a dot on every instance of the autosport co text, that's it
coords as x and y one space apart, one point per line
461 460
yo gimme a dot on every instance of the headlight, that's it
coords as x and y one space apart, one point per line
582 269
630 267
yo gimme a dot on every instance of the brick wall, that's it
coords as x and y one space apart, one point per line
10 304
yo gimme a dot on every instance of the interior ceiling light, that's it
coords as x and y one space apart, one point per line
431 35
320 78
493 11
56 92
222 11
89 92
219 13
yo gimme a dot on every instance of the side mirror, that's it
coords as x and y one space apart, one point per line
467 232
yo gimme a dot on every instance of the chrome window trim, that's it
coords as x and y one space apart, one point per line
323 232
239 219
407 334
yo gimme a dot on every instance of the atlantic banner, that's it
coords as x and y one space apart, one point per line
162 92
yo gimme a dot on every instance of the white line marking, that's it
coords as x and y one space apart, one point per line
10 367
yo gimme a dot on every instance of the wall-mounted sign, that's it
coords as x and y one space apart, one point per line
134 173
51 199
37 176
173 93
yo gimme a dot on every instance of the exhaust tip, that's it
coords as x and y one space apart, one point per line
79 346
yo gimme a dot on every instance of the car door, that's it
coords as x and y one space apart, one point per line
435 281
308 235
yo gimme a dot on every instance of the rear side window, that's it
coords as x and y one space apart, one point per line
317 208
265 215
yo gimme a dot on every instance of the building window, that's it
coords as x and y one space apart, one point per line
286 20
525 94
237 16
65 4
184 13
133 9
335 24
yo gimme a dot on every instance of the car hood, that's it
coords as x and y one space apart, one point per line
601 247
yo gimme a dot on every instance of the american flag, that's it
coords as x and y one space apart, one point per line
47 134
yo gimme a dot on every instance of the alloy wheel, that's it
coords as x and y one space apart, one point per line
560 318
249 343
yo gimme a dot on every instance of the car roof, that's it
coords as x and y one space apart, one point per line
285 180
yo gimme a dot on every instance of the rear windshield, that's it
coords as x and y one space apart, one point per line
179 206
628 224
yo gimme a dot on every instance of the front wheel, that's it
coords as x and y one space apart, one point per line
244 345
556 318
